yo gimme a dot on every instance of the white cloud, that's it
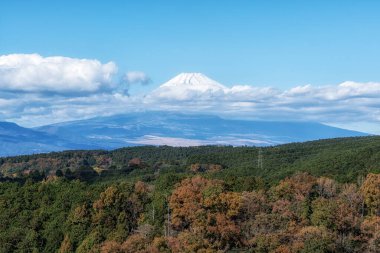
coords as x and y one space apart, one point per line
34 73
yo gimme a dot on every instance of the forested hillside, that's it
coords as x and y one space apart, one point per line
321 196
343 159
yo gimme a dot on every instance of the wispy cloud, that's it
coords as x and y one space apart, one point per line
136 77
132 78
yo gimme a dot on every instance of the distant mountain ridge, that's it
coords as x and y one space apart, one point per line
159 128
17 140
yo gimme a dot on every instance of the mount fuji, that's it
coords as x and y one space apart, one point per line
163 127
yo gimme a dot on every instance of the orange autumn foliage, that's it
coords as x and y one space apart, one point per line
204 209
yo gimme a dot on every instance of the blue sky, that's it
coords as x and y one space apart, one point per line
277 44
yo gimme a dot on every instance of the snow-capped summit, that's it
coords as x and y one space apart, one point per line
188 86
194 81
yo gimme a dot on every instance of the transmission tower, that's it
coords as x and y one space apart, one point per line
260 160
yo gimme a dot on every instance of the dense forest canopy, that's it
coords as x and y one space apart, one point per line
321 196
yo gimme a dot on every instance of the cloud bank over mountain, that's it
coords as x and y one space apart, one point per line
36 90
340 104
